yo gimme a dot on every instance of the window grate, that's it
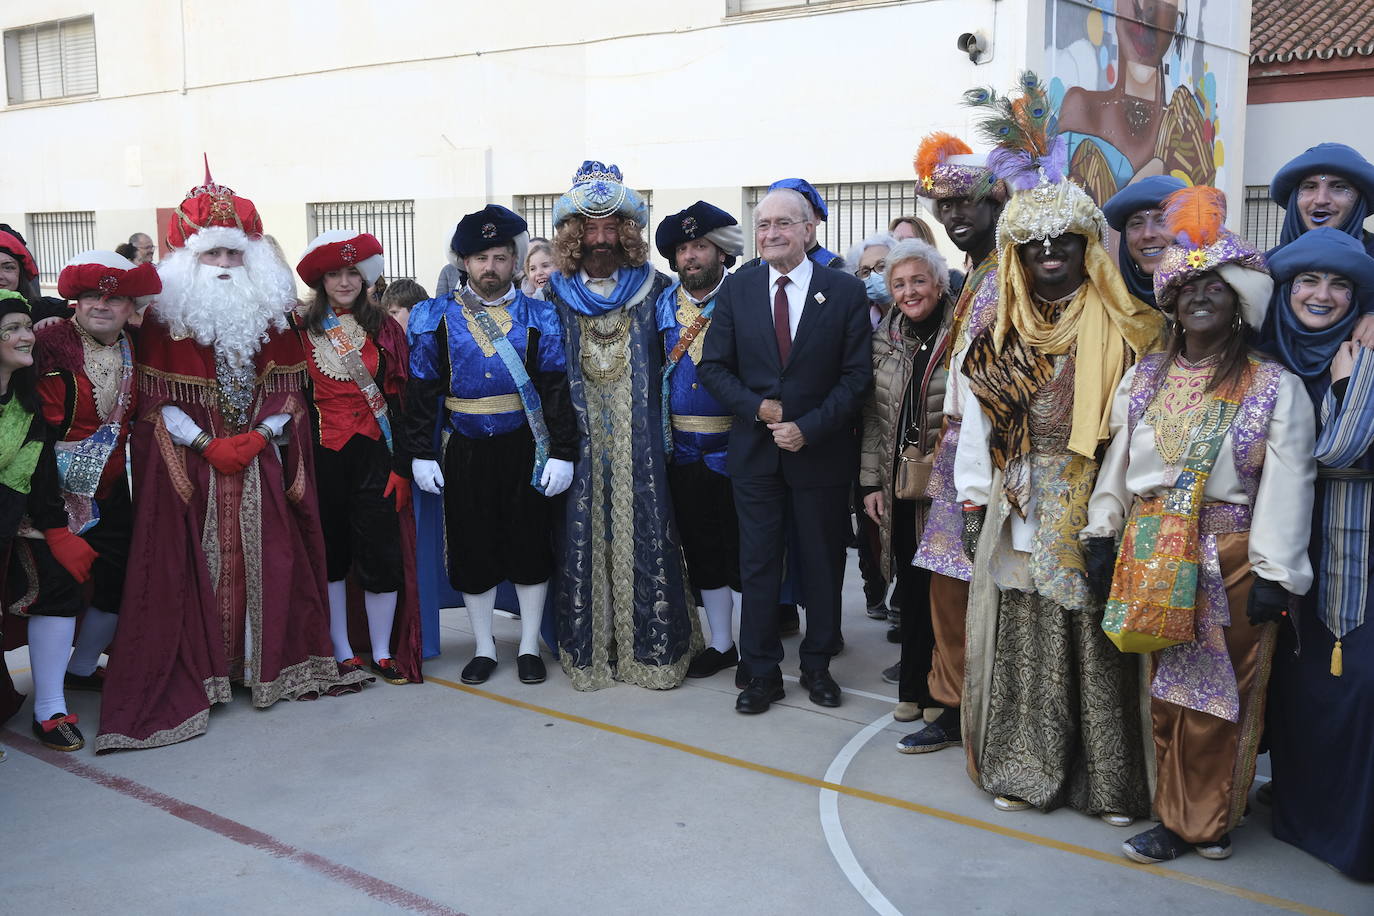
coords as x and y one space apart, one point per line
537 209
391 221
55 238
1263 218
51 61
857 211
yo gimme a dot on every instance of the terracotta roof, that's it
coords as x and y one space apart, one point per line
1285 30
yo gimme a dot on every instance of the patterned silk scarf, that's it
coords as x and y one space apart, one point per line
81 463
1155 589
524 385
352 359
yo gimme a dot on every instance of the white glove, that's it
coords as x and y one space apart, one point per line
277 422
181 427
427 475
557 476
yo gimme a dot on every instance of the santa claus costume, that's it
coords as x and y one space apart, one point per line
357 357
226 569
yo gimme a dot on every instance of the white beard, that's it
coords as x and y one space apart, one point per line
233 315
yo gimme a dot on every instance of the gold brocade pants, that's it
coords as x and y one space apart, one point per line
1206 764
948 610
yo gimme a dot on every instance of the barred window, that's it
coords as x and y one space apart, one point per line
54 238
51 61
857 211
1263 218
745 7
537 209
391 221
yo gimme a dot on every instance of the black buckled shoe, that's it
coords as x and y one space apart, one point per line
94 682
822 688
761 693
386 670
59 733
530 668
1158 844
711 660
478 670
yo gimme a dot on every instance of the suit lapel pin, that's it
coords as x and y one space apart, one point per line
820 298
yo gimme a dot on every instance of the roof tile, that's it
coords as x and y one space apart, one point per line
1285 30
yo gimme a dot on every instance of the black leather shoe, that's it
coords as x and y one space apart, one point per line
761 693
530 667
386 670
741 677
478 670
789 622
822 687
711 660
95 681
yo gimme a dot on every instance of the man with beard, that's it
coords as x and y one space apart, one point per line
967 200
700 243
625 609
487 368
227 574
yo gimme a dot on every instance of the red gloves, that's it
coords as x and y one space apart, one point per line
401 487
75 555
231 454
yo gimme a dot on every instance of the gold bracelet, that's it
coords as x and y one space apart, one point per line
264 430
202 440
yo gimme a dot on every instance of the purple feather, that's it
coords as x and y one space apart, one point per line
1015 167
1056 164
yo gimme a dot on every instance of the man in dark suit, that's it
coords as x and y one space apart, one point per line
789 353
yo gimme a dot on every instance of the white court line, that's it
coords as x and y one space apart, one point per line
830 819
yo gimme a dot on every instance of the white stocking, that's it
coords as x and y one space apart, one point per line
479 615
97 631
720 614
531 614
381 612
50 642
338 620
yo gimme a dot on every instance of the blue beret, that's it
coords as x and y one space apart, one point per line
491 226
696 222
802 186
1324 157
1145 194
1325 249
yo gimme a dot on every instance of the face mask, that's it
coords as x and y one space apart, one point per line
876 284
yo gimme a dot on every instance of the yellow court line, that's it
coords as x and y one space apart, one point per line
894 802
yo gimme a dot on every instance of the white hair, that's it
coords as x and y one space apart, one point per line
234 315
856 251
920 250
798 201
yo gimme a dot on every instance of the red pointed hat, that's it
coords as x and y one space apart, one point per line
110 273
340 248
209 205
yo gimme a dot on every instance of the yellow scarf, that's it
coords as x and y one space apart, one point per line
1103 319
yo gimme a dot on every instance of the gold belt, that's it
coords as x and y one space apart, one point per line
694 424
497 403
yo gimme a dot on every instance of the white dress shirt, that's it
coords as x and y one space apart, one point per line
799 282
602 286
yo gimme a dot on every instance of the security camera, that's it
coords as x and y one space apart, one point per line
973 44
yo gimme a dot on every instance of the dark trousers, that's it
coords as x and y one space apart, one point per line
362 533
913 591
765 505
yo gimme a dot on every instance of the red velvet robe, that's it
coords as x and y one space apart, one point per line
212 551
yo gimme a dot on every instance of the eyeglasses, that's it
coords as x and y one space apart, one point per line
865 271
782 225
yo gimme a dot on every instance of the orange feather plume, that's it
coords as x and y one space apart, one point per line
935 148
1198 212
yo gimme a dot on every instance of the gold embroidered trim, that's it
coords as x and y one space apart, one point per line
698 424
687 314
503 319
21 605
493 404
173 457
103 365
326 358
605 344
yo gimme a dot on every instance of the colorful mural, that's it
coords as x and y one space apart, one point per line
1137 83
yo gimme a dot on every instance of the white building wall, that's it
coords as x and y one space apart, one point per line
457 105
1278 131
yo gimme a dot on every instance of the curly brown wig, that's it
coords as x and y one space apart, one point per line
567 244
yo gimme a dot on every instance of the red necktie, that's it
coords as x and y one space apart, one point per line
782 321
